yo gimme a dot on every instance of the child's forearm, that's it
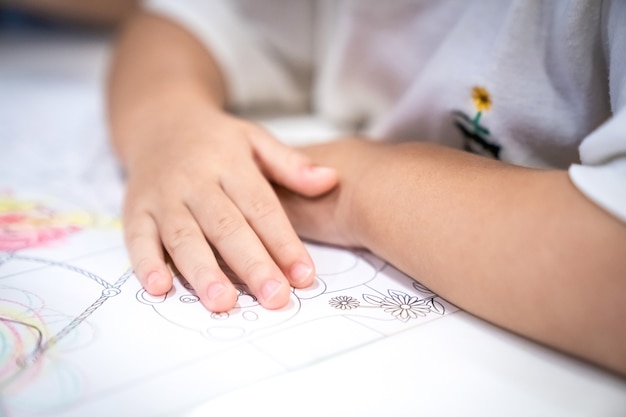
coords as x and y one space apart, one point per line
521 248
157 66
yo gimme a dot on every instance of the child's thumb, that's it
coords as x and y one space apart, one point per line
291 168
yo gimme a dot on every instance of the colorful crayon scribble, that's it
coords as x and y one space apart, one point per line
25 325
22 329
29 224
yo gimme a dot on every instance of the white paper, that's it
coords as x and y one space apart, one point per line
81 337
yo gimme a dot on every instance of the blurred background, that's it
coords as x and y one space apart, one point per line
64 14
54 60
54 56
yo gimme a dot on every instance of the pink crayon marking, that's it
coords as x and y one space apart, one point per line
11 218
12 239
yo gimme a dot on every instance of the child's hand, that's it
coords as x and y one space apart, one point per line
200 177
331 218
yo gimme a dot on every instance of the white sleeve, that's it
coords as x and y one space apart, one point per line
601 176
263 47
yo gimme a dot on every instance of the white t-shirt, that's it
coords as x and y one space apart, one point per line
538 84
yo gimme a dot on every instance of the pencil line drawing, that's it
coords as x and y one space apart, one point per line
349 274
28 328
399 304
57 270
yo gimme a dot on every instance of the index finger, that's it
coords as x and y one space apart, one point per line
261 208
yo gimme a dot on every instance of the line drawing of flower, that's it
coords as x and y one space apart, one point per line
401 305
422 288
344 302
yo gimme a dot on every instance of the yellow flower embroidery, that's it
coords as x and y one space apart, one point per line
476 137
482 99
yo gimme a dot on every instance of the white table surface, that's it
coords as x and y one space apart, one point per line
51 90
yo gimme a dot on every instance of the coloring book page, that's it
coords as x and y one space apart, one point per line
79 336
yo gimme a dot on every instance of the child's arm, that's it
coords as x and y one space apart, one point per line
196 174
521 248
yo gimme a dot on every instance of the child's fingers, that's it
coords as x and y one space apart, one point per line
227 229
146 254
219 197
256 199
188 248
289 167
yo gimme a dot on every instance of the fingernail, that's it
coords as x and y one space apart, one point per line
215 290
269 289
300 273
153 279
321 170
